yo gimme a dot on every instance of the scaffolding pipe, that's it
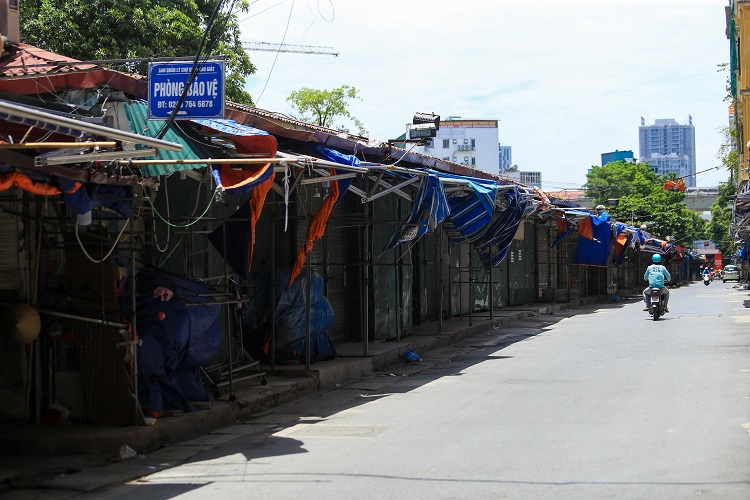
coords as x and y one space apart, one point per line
136 403
30 113
102 322
60 145
226 309
442 282
308 296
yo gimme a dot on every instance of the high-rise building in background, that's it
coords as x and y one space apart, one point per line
668 146
506 157
626 156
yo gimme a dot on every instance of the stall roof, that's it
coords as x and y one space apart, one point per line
137 115
290 128
29 70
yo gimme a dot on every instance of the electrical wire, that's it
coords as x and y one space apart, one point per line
262 11
193 72
288 21
333 12
213 197
80 243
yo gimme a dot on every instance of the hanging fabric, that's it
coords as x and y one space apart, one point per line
429 210
494 244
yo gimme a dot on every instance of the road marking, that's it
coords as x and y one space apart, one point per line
746 426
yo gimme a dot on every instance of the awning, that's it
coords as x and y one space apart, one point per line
137 115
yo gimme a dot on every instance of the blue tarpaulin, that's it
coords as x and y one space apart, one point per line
290 316
429 210
494 244
593 248
175 348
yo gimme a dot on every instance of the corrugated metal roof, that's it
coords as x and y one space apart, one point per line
27 60
137 114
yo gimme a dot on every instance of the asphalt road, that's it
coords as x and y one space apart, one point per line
594 403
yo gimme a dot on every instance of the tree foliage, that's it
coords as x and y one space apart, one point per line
323 107
721 214
105 29
642 200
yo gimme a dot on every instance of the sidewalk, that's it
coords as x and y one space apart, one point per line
31 456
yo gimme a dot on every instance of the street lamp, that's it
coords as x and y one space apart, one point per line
425 126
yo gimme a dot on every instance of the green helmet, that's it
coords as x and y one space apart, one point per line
656 258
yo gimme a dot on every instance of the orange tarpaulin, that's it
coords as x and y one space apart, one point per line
674 185
317 227
21 180
586 229
256 205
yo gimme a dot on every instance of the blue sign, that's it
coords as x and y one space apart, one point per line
167 81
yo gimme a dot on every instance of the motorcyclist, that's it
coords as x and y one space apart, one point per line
707 271
656 275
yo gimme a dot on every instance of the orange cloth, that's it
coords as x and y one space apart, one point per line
256 205
586 229
21 180
317 227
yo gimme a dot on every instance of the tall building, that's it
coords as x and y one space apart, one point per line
506 157
469 142
524 177
626 156
668 146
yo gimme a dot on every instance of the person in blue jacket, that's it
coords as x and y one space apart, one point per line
602 213
656 274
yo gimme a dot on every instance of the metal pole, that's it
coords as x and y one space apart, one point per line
226 310
492 292
133 320
460 286
272 350
397 278
471 287
442 282
366 284
308 294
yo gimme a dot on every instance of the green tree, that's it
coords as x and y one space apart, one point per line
323 107
721 214
642 200
105 29
721 218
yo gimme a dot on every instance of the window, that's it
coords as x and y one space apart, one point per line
473 143
447 158
428 144
454 158
466 159
466 141
446 143
473 161
454 141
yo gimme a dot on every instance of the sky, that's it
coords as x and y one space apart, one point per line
567 80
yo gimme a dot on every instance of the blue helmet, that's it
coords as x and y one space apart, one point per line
656 258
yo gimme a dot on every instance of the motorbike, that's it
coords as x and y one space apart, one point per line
656 303
706 279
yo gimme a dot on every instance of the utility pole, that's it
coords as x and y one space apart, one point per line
283 47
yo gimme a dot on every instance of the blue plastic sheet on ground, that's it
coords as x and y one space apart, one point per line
175 348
